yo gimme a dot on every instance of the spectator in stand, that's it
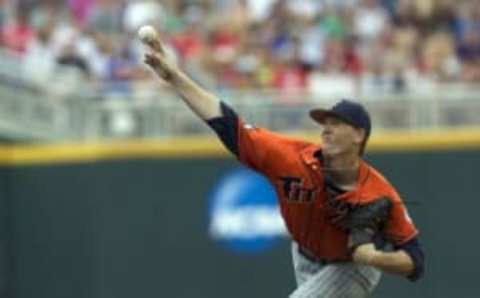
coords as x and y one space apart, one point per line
469 53
468 20
298 45
121 69
369 20
17 35
81 11
106 16
312 44
69 57
189 42
39 60
438 49
4 12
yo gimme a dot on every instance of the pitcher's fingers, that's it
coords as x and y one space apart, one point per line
151 59
155 44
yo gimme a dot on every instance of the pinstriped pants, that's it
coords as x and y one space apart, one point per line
342 280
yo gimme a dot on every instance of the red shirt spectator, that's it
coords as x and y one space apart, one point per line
290 78
224 43
18 35
353 63
189 43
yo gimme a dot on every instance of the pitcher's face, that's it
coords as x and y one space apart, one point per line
339 137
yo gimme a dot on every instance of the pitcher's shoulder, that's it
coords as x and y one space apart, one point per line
377 185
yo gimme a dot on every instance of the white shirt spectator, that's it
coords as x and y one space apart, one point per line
63 34
97 61
142 13
259 10
312 50
305 8
39 63
369 20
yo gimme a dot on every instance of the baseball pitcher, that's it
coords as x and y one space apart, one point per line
347 223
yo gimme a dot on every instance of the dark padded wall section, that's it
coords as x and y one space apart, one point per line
138 228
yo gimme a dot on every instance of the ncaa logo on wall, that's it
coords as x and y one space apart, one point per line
244 213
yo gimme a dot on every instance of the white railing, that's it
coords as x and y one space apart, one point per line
25 114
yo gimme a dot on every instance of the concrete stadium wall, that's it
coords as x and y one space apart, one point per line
137 227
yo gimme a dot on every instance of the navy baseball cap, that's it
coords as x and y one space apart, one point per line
349 111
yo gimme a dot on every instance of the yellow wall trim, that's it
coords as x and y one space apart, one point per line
194 147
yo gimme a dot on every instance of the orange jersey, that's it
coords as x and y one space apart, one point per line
296 173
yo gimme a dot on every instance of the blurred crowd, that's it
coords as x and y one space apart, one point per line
292 46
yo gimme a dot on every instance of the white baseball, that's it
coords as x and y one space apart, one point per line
147 33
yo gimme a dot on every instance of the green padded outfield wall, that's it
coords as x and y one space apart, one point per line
5 234
138 228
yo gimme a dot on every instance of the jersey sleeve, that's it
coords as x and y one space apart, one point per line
263 150
255 147
400 227
226 128
415 251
